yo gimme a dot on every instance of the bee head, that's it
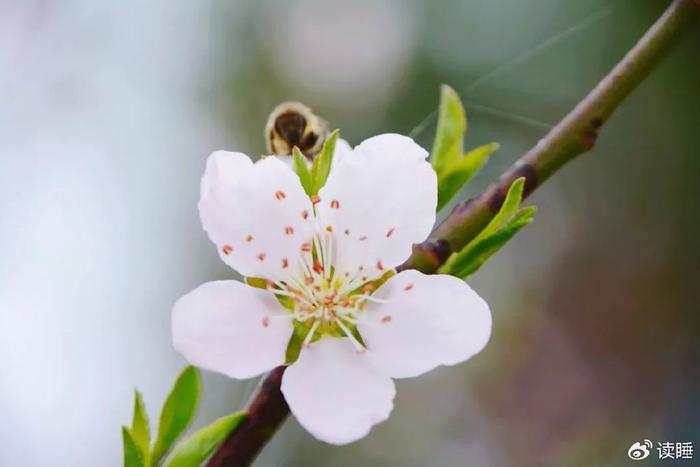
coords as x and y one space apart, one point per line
294 124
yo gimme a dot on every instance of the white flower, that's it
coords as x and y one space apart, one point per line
320 257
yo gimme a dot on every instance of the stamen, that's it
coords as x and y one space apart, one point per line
350 336
227 249
370 298
310 335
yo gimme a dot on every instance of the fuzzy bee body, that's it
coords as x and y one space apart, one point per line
294 124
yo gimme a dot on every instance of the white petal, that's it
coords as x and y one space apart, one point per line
379 200
257 214
427 321
335 393
231 328
342 150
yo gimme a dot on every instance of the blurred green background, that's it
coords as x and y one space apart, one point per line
109 110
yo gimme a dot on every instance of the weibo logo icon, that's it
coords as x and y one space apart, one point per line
639 451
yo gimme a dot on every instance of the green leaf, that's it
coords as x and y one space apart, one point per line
302 170
193 451
451 126
457 173
133 457
140 429
508 208
178 411
469 260
323 162
505 224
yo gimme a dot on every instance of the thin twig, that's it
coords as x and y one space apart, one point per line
571 137
574 135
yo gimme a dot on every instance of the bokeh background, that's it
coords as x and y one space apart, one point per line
108 111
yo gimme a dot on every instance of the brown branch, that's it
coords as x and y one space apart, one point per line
574 135
265 414
571 137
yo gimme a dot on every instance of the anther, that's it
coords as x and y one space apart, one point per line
391 231
261 256
335 204
280 195
306 247
318 268
329 228
289 230
347 231
408 287
315 199
227 249
285 263
305 214
265 322
248 238
380 266
386 319
363 238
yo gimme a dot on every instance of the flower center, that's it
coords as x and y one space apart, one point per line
326 301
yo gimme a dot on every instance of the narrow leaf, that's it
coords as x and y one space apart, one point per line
140 429
302 170
469 260
508 208
133 457
323 162
178 411
451 126
193 451
453 177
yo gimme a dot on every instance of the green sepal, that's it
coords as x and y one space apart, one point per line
193 451
459 171
257 282
504 226
302 170
294 346
177 413
133 456
451 126
321 166
140 429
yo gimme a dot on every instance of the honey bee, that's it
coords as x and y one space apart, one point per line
294 124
